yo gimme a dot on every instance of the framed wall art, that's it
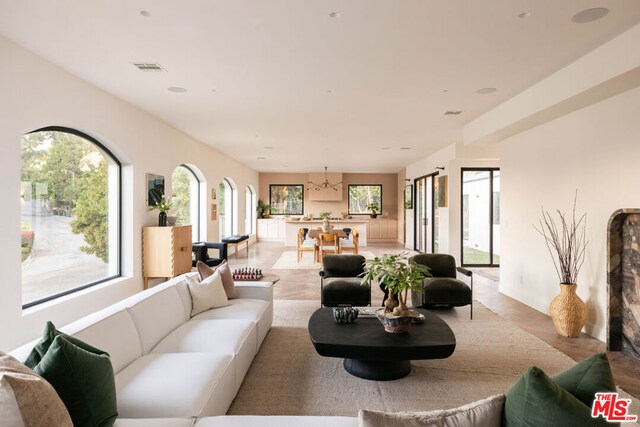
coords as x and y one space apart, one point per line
408 197
155 189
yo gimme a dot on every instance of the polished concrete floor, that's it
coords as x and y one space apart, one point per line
305 285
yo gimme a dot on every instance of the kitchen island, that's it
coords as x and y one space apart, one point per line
292 227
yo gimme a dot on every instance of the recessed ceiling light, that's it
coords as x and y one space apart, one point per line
145 13
486 90
261 158
446 90
334 15
176 89
524 15
386 148
213 90
405 148
268 148
329 91
590 15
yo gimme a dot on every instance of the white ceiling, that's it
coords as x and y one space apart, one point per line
319 90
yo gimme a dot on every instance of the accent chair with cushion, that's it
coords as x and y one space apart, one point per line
308 245
327 243
201 252
443 289
350 245
340 282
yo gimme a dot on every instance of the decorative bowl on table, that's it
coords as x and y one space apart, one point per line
398 324
345 314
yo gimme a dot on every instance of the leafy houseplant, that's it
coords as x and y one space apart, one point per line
163 205
566 242
263 209
373 207
400 275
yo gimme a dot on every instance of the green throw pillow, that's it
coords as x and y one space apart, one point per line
536 400
588 377
50 332
83 379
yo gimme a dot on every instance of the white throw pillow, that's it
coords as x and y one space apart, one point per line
483 413
206 294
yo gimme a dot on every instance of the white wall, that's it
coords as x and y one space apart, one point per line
36 94
595 150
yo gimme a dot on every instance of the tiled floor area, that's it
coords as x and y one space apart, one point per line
305 285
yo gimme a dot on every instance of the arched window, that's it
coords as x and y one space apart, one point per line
228 203
250 210
185 196
70 213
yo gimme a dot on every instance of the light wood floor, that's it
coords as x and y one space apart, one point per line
305 285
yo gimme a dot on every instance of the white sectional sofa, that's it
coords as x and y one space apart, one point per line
169 368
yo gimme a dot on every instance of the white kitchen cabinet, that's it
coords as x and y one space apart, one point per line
271 229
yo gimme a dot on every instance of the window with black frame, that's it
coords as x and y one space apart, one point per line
362 197
286 199
70 213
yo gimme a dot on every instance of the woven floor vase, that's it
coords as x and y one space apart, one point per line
568 312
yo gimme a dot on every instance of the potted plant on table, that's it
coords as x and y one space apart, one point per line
400 275
326 227
373 207
163 205
566 243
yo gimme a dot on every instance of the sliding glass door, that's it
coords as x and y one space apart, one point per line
425 238
481 217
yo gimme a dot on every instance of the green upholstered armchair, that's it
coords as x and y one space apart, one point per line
443 289
340 284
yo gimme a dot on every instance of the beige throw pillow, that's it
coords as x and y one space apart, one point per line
206 294
26 399
205 271
483 413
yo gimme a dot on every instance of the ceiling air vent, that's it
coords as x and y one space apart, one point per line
150 67
452 112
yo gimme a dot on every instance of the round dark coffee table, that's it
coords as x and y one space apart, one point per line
373 354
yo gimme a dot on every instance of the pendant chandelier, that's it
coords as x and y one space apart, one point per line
324 185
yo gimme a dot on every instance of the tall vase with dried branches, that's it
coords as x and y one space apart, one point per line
566 242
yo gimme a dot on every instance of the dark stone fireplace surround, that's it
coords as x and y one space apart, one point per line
623 275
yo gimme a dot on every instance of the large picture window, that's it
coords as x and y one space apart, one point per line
286 199
69 205
361 196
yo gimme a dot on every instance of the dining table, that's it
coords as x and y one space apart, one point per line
315 233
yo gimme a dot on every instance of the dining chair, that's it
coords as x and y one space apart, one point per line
306 245
328 243
350 245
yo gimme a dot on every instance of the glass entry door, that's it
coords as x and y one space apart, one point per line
481 217
424 214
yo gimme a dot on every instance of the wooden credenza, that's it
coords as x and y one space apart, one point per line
166 252
382 230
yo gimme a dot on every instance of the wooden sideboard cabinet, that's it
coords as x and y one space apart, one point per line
166 252
382 230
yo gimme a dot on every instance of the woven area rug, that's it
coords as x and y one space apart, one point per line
288 261
288 377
